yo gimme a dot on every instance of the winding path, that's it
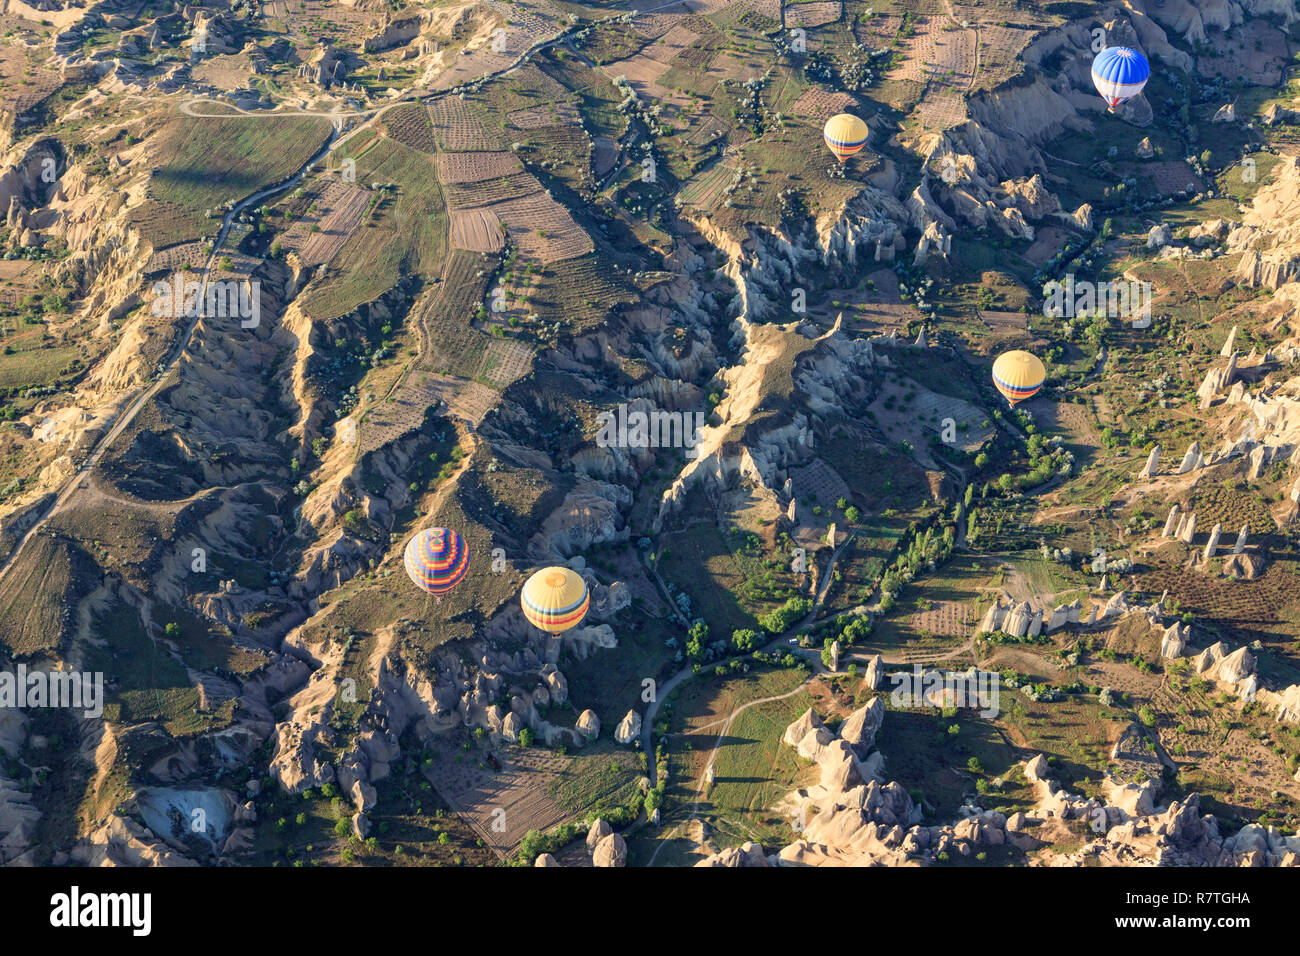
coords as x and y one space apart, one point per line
686 673
124 418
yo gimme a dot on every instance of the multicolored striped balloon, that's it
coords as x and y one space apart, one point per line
1018 375
437 559
845 135
555 599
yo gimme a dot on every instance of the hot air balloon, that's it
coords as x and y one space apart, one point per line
845 135
436 559
1018 375
1119 74
555 599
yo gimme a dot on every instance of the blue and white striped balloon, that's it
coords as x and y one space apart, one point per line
1119 74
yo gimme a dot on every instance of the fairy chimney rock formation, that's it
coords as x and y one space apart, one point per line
1152 467
1213 544
1227 345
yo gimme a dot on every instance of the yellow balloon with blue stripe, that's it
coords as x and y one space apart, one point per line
555 599
1018 375
845 135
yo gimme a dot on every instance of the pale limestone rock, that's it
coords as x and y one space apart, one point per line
1203 661
1172 644
1170 522
1036 769
860 728
1060 617
610 852
875 677
629 728
1018 620
1036 624
747 854
511 726
600 829
1227 345
1248 687
1245 566
807 722
1212 545
1236 667
1152 467
996 614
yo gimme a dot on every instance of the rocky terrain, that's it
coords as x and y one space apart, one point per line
279 290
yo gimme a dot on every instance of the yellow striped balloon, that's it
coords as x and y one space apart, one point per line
555 599
845 135
1018 375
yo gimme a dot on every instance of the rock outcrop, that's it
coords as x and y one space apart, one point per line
629 728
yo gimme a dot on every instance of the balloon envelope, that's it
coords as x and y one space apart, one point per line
436 559
555 599
1018 375
1119 73
845 135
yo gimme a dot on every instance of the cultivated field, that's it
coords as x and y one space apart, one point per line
404 233
818 104
410 125
457 126
503 805
542 229
478 230
202 163
814 14
548 114
319 235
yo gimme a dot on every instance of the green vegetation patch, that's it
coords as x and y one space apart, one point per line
205 162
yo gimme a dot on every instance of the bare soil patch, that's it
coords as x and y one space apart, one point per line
477 229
